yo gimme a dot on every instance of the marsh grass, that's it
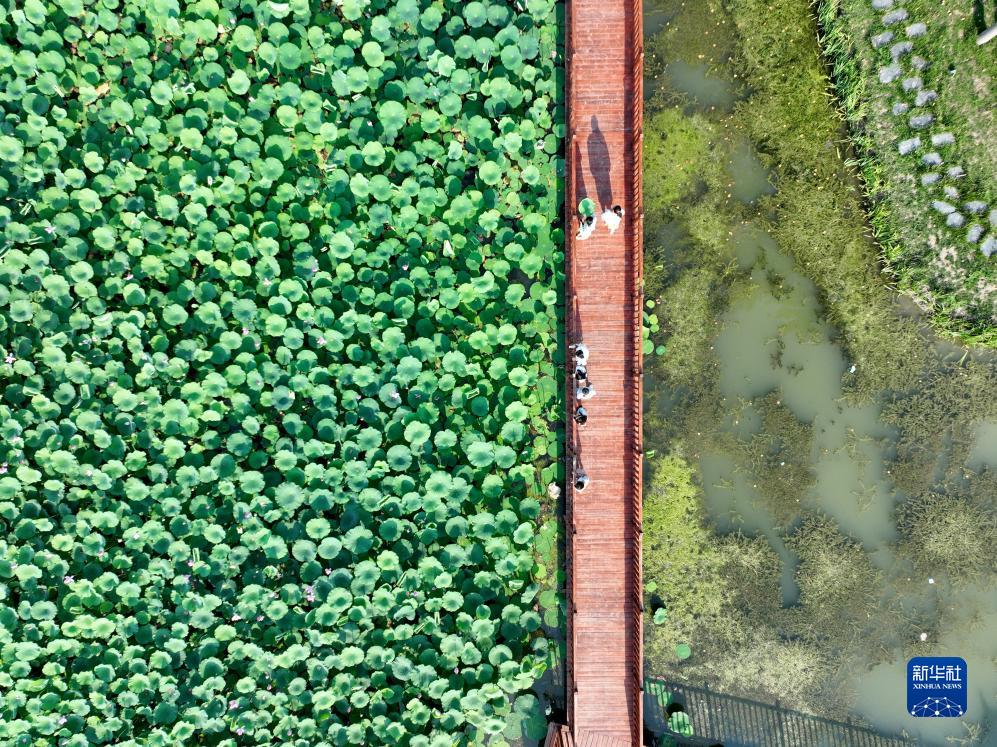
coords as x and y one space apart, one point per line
731 610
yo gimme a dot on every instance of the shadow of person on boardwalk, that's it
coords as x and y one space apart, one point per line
599 164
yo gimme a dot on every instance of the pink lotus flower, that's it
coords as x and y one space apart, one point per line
10 358
232 704
68 579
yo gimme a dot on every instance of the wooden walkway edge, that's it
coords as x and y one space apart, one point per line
604 308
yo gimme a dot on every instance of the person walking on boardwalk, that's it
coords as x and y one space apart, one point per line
581 416
612 218
584 392
581 478
586 219
581 372
581 352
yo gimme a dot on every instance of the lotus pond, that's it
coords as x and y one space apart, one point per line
278 337
821 496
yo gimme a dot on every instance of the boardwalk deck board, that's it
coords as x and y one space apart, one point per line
605 651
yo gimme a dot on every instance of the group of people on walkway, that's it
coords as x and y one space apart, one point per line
587 219
583 391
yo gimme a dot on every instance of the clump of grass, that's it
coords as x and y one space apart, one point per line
948 534
935 423
682 566
777 457
674 148
840 589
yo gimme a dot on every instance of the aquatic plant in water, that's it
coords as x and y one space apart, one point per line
278 312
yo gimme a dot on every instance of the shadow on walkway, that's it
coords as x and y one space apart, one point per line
600 165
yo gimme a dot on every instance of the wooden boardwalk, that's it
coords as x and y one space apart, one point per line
604 307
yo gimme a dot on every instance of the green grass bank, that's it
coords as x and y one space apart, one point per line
937 259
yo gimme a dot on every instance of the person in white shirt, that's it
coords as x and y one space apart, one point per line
581 353
585 392
612 218
581 416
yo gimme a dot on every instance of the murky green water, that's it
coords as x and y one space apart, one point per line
781 425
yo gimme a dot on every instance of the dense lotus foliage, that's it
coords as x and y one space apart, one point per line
278 313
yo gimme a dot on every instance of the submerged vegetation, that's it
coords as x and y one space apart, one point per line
806 431
278 306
